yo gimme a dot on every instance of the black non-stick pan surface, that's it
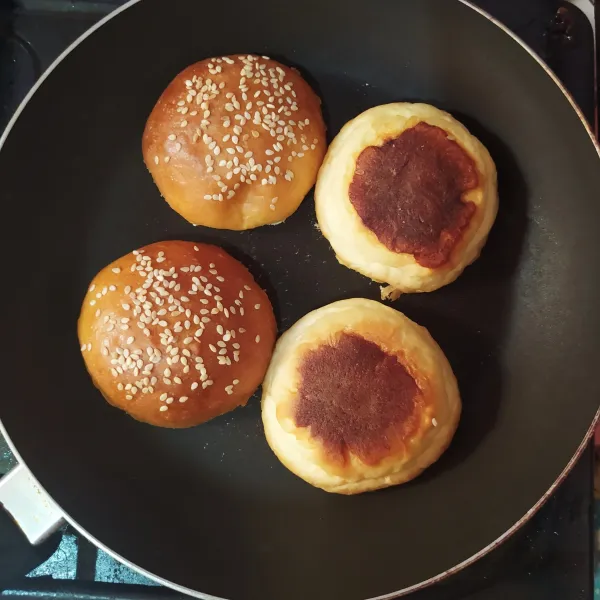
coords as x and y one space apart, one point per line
211 509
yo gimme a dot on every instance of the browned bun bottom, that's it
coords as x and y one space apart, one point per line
406 196
358 397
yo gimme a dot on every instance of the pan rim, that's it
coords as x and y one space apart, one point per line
392 595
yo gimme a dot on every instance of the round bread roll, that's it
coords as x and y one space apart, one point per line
176 333
358 397
406 196
235 142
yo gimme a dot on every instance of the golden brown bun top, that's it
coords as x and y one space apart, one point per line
176 333
409 192
231 138
357 399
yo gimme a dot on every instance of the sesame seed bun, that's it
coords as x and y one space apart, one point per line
407 196
358 397
176 333
235 142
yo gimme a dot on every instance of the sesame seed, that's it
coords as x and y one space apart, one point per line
257 339
116 270
163 408
194 385
434 422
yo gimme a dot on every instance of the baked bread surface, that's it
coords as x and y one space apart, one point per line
176 333
358 397
406 196
235 142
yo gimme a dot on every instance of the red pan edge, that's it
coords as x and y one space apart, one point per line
427 582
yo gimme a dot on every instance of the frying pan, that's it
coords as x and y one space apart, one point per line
210 511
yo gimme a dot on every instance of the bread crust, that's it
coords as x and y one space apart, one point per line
355 245
176 333
433 421
235 142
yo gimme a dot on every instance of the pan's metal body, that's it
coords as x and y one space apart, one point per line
210 510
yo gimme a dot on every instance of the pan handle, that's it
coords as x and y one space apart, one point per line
32 510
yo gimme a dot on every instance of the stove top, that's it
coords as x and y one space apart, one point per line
551 557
